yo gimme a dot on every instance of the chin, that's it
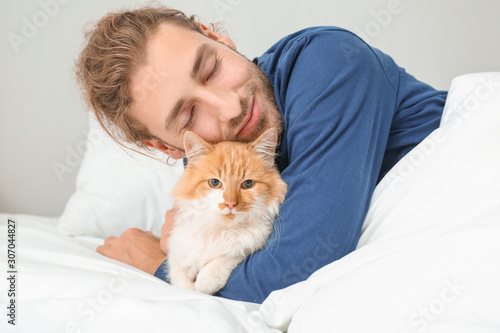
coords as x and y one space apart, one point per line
261 126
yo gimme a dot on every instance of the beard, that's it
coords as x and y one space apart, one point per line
270 115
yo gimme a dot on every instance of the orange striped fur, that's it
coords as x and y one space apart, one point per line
226 201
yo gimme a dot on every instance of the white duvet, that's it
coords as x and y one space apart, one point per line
428 259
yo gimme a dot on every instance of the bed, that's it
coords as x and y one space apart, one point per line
427 260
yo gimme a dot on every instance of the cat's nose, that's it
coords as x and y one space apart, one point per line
230 204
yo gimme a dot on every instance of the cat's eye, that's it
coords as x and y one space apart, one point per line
247 183
215 183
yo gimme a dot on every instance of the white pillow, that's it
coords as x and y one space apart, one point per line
117 189
458 155
468 93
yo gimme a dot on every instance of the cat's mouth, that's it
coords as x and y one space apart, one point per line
228 217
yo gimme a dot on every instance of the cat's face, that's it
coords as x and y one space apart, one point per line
230 178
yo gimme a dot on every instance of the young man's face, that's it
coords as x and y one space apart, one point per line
191 82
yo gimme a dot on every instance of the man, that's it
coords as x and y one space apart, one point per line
346 111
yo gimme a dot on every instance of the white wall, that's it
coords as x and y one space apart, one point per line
42 117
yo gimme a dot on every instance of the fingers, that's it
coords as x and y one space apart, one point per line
101 249
169 222
110 240
131 233
171 211
106 248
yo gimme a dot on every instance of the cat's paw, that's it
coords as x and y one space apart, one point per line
184 283
209 282
181 280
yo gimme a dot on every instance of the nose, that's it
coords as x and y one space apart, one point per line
230 204
222 106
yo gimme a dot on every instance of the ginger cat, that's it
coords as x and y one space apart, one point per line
226 202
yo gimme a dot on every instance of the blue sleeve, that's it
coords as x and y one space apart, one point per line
162 271
337 98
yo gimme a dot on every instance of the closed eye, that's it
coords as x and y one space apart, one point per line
214 70
190 121
191 115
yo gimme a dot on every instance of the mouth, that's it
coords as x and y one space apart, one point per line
228 217
252 118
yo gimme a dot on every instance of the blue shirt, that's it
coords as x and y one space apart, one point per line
350 113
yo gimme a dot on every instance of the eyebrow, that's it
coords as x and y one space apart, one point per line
200 55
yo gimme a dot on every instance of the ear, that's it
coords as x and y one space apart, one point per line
265 145
195 147
159 145
217 37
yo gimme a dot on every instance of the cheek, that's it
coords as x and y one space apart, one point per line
235 72
207 127
214 198
248 198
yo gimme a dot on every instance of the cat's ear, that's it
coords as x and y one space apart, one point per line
195 147
265 145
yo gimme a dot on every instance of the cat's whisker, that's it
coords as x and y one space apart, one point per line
277 231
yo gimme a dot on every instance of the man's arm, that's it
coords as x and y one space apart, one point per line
338 102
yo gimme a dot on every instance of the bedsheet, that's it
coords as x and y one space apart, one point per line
427 260
63 285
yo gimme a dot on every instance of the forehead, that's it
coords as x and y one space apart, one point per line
169 51
172 40
234 159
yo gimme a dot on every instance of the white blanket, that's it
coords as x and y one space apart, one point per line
427 261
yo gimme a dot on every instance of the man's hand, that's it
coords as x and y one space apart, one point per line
135 247
138 248
166 229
